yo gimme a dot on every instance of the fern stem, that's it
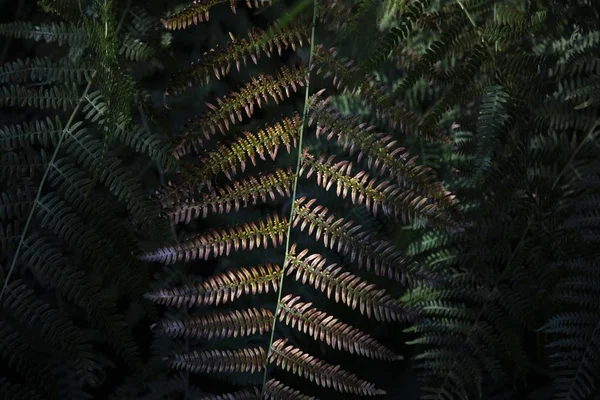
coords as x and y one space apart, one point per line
294 194
41 185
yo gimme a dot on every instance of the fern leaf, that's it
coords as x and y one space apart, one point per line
394 202
60 33
16 204
198 11
234 323
225 197
259 89
43 69
275 390
244 394
63 97
217 62
43 132
292 359
362 246
221 288
243 360
219 242
342 286
10 391
324 327
227 158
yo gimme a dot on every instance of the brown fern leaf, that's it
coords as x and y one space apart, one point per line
241 360
323 374
198 11
275 390
252 393
227 197
232 323
342 286
218 61
324 327
363 246
383 154
397 203
221 288
259 89
218 242
227 158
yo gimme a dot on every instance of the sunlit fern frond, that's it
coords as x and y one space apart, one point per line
229 109
292 359
246 236
243 394
199 11
228 157
221 288
335 333
233 323
275 390
342 286
362 246
218 61
226 198
242 360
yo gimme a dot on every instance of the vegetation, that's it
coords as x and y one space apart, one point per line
300 199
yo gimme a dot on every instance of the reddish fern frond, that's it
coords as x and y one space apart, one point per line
218 242
363 246
330 330
275 390
221 288
233 323
199 10
377 195
227 158
242 360
218 61
252 393
227 197
229 109
320 372
383 154
342 286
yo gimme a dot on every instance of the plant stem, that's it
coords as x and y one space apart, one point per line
294 194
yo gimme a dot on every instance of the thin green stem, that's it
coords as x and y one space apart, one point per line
294 194
41 185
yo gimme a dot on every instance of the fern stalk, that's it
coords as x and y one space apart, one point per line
294 195
42 182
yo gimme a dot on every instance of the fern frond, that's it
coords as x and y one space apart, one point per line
349 239
61 97
383 154
242 360
43 132
233 323
59 33
275 390
43 69
244 394
226 158
219 242
259 89
292 359
14 391
227 197
221 288
394 202
134 49
198 11
342 286
217 62
15 205
324 327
